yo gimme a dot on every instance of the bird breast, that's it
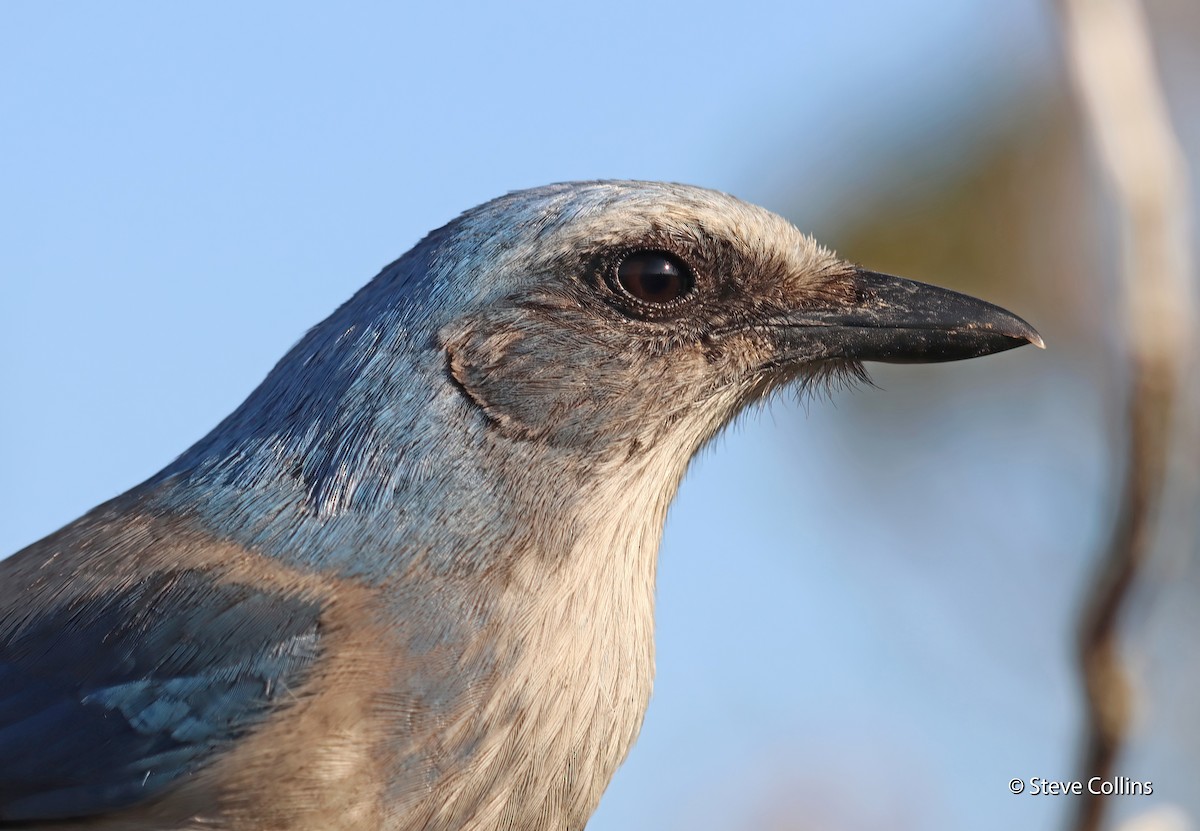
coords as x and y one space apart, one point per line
563 716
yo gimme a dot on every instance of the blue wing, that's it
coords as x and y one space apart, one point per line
108 699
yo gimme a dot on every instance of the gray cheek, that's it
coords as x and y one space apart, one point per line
557 386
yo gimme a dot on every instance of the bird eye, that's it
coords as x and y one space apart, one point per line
654 277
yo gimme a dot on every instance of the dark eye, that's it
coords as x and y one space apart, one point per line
654 277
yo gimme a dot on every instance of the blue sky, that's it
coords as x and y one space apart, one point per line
186 190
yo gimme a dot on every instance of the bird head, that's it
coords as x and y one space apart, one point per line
619 317
543 343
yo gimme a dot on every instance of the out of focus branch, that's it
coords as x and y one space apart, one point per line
1112 65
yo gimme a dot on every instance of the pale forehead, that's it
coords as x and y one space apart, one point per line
589 215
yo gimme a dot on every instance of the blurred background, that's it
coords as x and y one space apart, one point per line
867 604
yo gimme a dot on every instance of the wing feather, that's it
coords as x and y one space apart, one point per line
109 699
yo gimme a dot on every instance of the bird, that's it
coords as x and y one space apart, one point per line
409 582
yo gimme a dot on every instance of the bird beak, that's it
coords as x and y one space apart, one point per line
895 320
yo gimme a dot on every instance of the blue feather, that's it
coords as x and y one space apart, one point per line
109 699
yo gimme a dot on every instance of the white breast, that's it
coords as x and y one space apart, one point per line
566 712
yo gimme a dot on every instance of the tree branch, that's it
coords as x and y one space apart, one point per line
1112 66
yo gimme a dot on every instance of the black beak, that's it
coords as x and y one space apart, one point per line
895 320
